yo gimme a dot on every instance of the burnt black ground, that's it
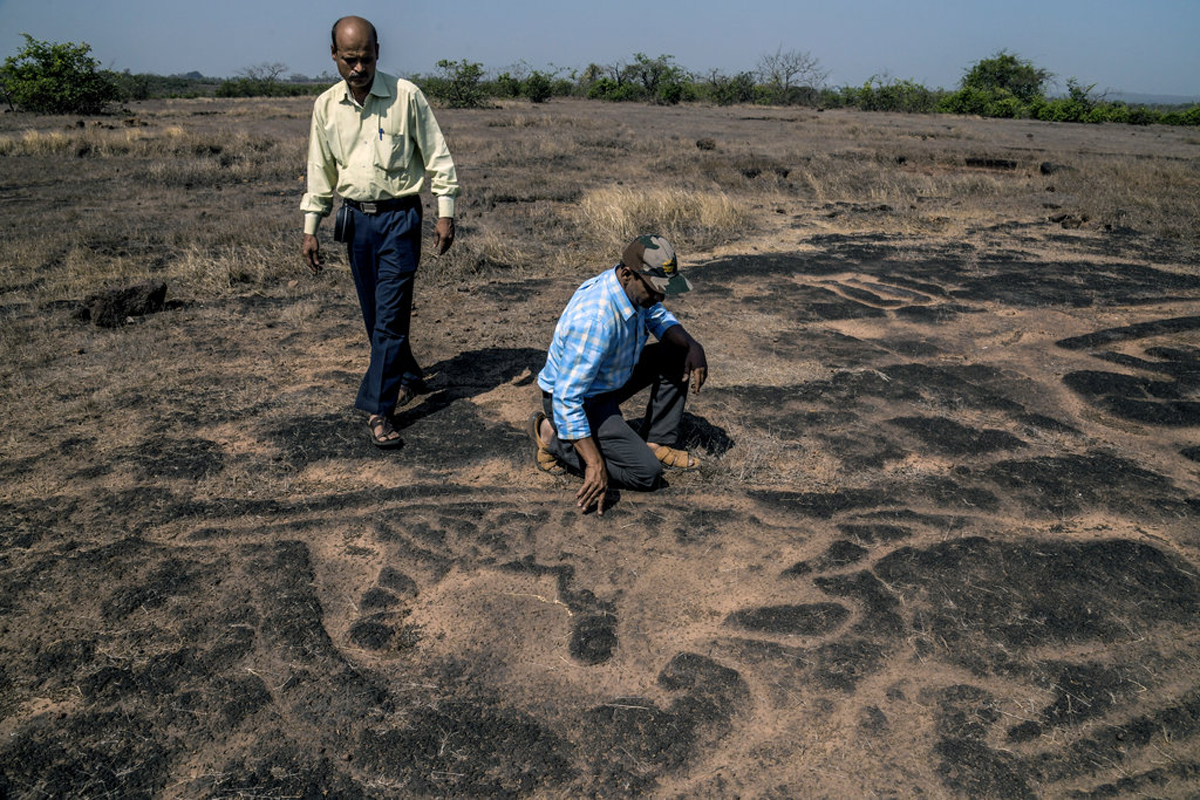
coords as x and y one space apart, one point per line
997 596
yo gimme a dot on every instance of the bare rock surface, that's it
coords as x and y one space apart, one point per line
945 544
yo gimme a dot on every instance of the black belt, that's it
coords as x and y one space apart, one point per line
379 206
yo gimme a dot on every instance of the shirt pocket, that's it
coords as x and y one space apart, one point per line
395 146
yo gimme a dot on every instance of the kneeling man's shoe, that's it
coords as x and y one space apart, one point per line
545 460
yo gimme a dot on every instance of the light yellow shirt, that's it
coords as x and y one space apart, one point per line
375 151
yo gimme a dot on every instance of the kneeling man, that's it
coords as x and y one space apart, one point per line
599 358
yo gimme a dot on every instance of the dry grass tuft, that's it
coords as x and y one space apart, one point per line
35 143
1162 195
215 270
693 219
483 253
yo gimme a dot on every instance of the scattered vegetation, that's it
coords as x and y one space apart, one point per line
458 84
230 187
791 78
266 80
57 78
53 78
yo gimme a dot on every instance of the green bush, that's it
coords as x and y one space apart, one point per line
887 94
562 87
670 94
1189 117
1140 115
1006 72
507 86
460 84
52 78
608 89
537 87
724 91
1006 108
968 100
657 80
249 87
601 88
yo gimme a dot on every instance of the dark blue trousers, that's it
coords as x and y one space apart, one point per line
384 253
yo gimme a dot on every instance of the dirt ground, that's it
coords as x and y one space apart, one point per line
945 542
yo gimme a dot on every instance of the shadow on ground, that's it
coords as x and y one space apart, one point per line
996 598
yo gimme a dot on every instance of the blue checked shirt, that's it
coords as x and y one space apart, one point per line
596 345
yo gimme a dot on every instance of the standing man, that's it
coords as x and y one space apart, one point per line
599 358
373 139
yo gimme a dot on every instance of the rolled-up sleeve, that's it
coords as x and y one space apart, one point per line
659 320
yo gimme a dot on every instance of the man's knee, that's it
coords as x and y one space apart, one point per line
644 474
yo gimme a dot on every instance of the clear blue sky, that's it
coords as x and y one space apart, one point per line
1141 46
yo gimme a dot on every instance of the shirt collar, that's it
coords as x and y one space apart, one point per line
615 290
379 88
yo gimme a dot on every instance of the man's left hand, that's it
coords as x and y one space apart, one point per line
443 234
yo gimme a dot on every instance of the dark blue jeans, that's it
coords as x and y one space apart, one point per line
384 254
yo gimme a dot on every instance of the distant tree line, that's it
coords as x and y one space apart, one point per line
1003 85
64 78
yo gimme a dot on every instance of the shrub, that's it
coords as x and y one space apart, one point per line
537 87
601 88
1006 72
249 87
832 98
1189 117
1006 108
967 100
609 89
52 78
507 85
1140 115
888 94
670 94
725 91
459 85
562 87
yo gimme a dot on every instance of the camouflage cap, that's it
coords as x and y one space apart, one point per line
653 257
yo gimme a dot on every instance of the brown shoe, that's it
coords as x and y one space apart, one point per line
545 460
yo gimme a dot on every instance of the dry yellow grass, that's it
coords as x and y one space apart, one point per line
204 193
613 216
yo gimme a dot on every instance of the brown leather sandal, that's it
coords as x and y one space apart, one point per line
674 459
383 434
545 460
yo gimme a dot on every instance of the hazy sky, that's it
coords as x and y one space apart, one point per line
1143 46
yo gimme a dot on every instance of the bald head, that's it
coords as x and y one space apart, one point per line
355 50
353 27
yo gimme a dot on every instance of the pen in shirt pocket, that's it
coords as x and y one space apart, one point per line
381 134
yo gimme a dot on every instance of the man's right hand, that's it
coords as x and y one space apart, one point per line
595 477
312 253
